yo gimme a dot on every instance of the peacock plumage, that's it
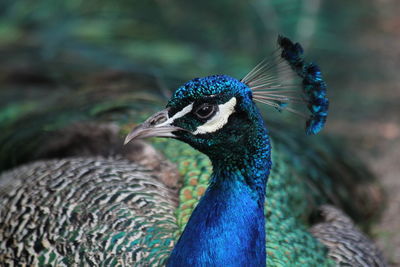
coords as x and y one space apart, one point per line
89 201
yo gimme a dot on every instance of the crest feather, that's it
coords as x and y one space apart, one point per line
277 82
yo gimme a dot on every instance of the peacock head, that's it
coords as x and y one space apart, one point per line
210 114
218 113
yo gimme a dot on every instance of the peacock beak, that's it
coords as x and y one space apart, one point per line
158 125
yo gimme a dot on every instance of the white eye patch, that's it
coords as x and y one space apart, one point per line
177 115
219 119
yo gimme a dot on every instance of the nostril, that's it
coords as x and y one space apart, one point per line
157 120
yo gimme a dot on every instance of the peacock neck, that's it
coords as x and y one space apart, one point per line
247 165
227 228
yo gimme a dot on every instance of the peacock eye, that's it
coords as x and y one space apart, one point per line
205 111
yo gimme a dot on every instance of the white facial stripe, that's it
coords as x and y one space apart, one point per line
219 119
177 115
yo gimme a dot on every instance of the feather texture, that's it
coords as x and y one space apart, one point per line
273 82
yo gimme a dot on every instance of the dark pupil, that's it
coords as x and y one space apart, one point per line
205 111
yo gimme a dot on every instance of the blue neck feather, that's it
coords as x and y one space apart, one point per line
227 228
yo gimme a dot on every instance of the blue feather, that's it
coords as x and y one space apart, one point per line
227 228
314 87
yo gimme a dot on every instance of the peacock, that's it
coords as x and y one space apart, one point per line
244 196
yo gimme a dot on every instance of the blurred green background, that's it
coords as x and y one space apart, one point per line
184 39
58 45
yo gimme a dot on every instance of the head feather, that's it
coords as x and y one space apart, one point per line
277 82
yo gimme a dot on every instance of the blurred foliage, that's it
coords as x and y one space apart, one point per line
183 38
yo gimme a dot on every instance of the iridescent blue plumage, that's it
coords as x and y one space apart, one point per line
292 53
211 85
227 228
314 87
